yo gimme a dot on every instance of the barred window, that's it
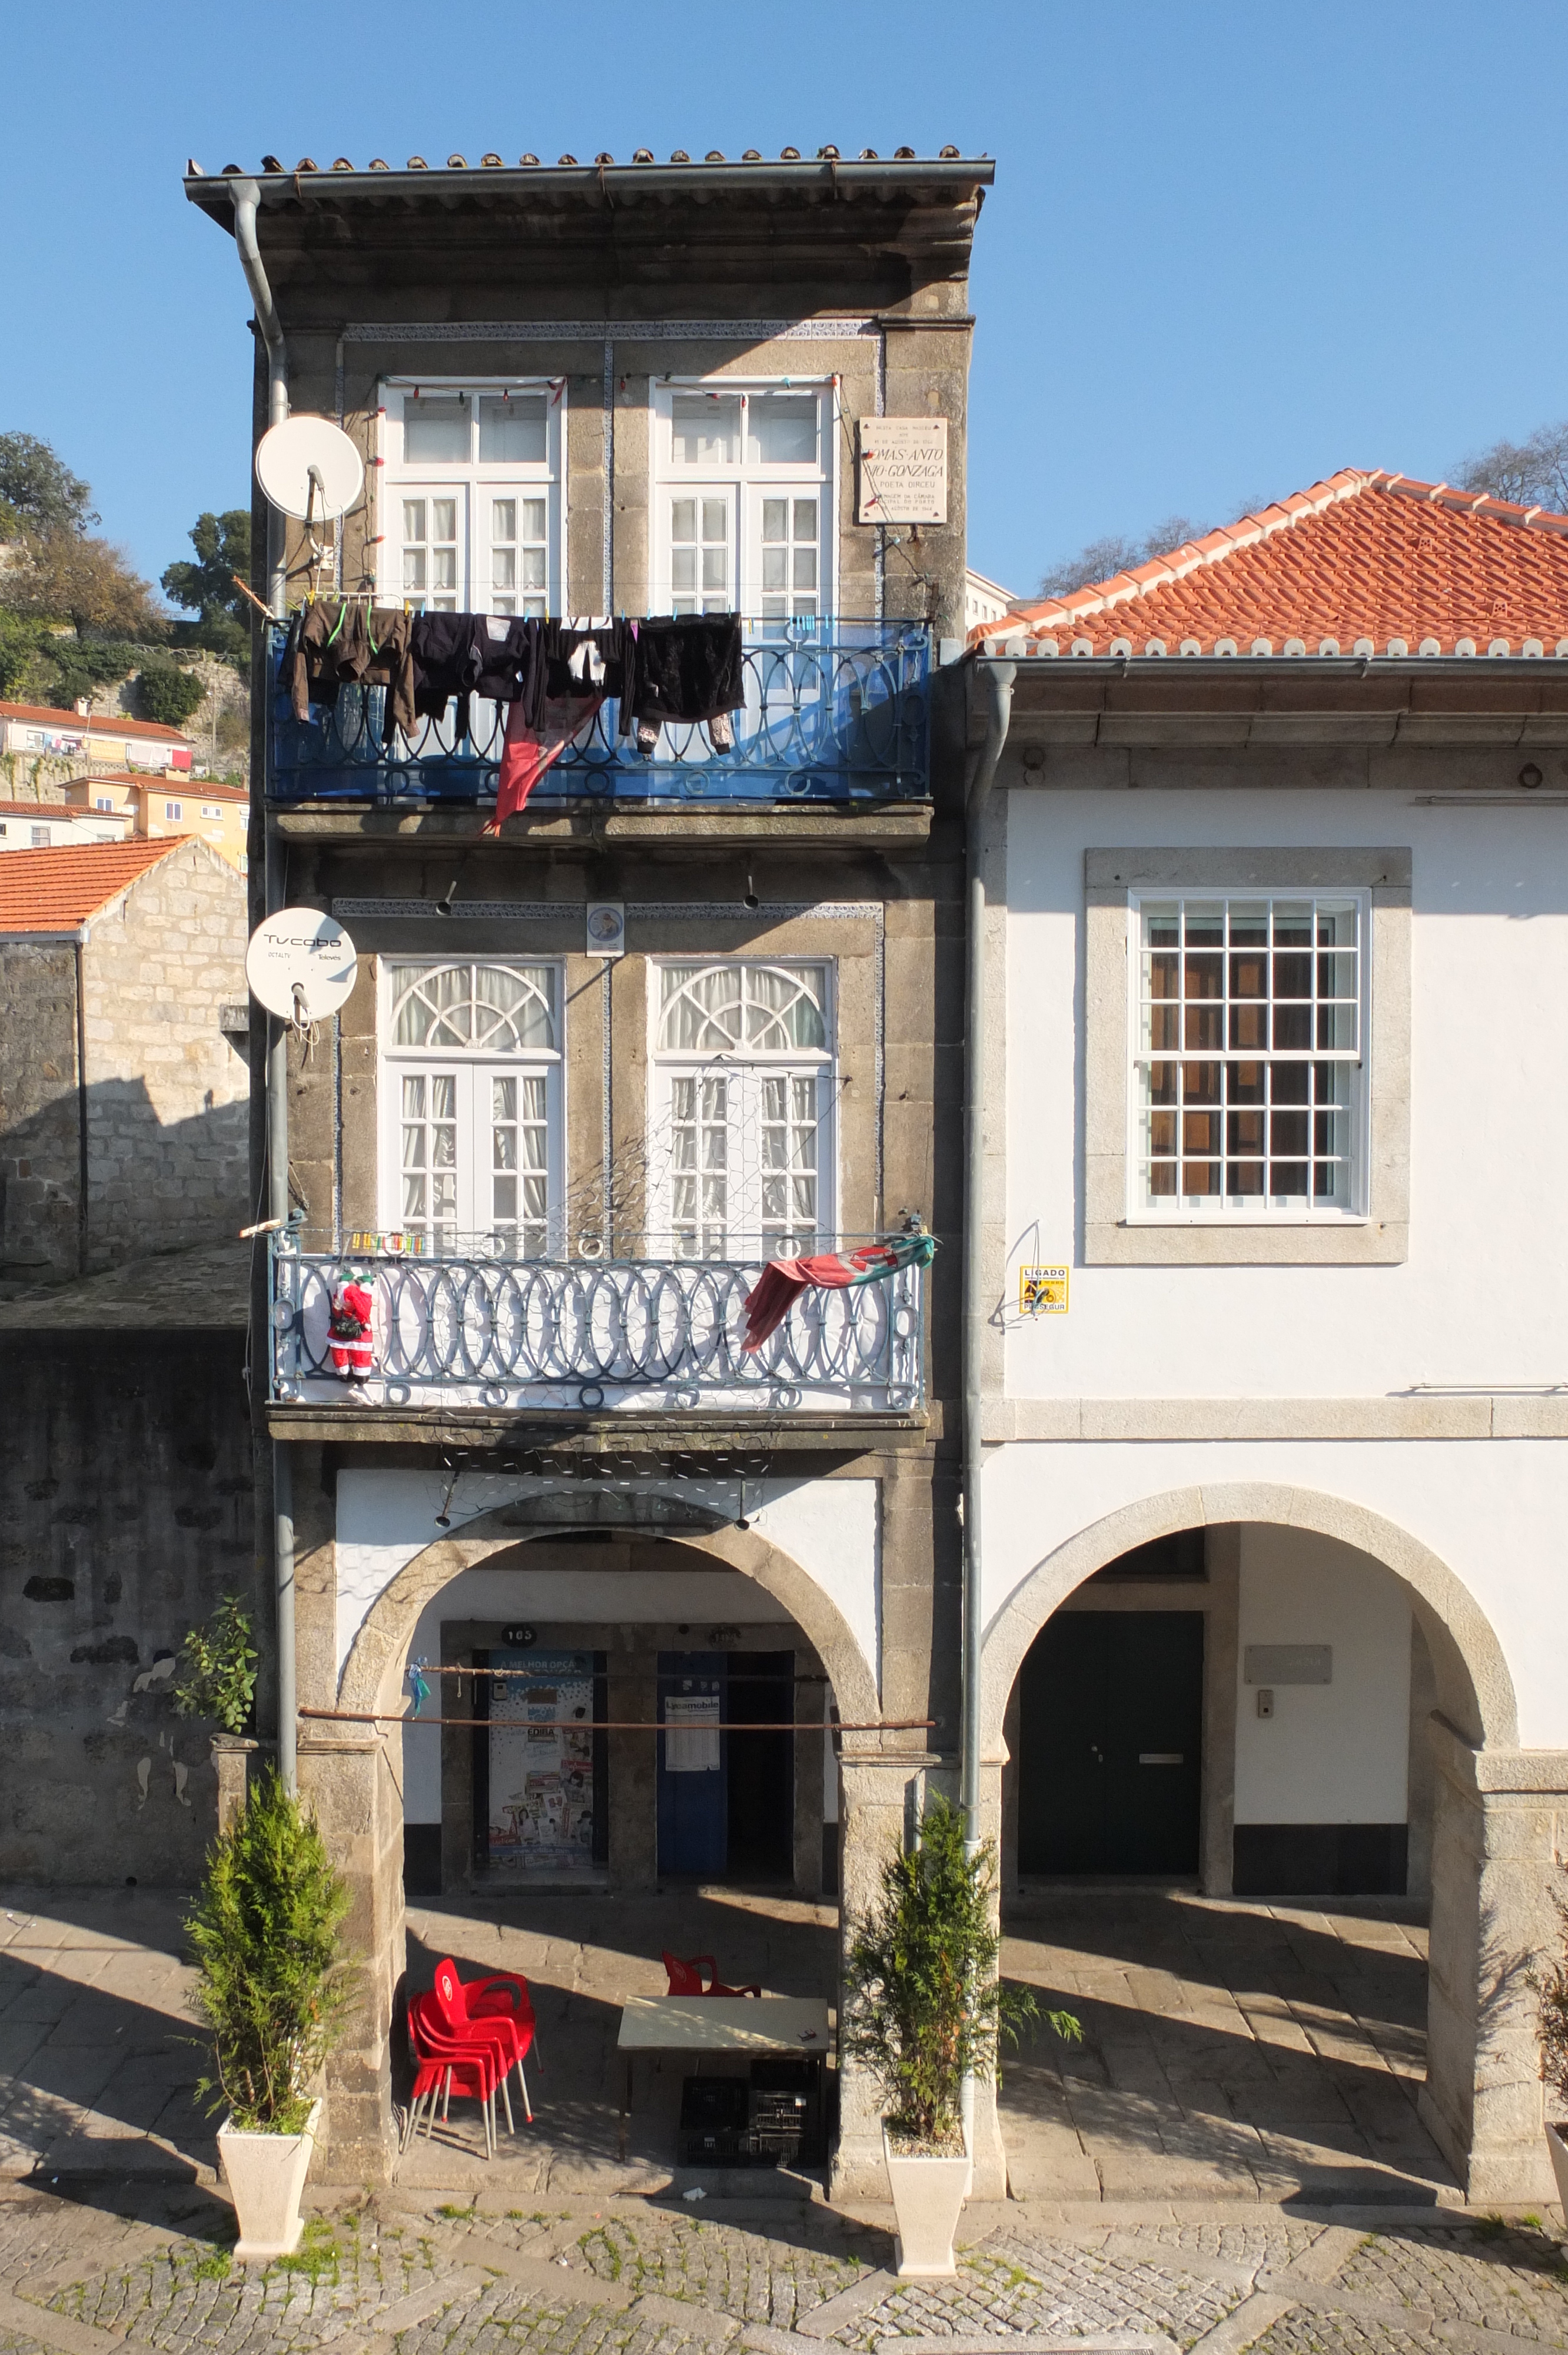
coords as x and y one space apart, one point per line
1248 1075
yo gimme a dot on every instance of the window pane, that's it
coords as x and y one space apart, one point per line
775 519
783 428
805 568
414 568
775 568
513 430
443 518
534 518
413 518
435 428
684 519
716 519
503 567
705 428
504 519
806 519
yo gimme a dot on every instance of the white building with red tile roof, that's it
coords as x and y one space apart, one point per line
1271 835
107 737
52 826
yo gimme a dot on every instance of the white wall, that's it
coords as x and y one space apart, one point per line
1333 1753
1484 1295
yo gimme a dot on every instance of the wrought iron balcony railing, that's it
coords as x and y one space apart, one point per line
834 711
628 1336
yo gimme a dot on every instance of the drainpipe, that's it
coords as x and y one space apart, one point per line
245 196
83 1163
997 679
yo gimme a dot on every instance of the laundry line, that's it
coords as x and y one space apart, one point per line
539 1677
616 1725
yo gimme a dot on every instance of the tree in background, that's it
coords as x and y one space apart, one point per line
168 694
37 493
222 545
1532 472
65 576
1114 553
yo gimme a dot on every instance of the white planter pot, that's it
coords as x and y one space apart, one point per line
266 2175
928 2197
1557 2149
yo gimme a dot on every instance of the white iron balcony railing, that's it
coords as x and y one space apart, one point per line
646 1336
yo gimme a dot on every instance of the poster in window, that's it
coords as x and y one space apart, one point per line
541 1763
691 1740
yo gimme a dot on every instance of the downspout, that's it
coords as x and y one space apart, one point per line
245 195
82 1160
997 678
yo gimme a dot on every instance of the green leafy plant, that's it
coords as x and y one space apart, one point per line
924 2006
272 1983
166 694
216 1674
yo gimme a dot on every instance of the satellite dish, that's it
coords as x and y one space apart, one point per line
309 468
301 965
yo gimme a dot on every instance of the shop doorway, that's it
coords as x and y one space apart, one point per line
726 1792
1110 1743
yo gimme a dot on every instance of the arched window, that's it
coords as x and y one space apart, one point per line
470 1115
493 1009
715 1010
742 1108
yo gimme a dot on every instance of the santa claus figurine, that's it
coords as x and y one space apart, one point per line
348 1328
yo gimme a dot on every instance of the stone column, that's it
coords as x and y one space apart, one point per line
231 1755
347 1776
1496 1840
881 1801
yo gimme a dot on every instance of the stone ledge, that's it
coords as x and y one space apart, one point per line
1474 1415
806 825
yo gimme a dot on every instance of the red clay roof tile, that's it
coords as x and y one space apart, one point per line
57 890
1362 559
96 723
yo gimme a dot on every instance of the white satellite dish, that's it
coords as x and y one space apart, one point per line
309 468
301 965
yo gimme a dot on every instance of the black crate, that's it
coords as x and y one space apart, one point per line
714 2104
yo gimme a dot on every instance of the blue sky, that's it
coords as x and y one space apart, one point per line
1230 248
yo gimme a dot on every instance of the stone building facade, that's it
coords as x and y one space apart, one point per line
123 1098
625 386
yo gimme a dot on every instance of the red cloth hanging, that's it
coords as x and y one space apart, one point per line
528 752
782 1281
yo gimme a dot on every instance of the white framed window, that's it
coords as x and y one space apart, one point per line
470 1094
103 801
173 811
742 1150
743 498
473 515
1248 1084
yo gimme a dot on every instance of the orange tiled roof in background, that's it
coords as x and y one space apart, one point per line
57 890
1361 564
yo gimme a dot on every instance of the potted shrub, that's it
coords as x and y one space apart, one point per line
1550 1984
272 1989
923 2007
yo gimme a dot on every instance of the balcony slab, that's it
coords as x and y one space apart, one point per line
804 826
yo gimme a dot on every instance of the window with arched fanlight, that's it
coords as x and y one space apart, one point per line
741 1152
471 1098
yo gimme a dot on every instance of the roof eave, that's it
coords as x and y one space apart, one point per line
591 183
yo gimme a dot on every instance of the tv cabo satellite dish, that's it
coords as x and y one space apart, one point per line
301 965
309 468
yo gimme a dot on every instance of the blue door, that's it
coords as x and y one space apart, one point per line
693 1764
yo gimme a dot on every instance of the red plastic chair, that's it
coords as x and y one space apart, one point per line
496 2038
495 2011
503 1995
686 1977
472 2072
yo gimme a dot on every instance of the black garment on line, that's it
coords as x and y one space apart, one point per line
688 668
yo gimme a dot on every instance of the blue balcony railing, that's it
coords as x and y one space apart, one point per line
834 711
624 1335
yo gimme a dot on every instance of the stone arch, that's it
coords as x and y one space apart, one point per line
1475 1690
372 1676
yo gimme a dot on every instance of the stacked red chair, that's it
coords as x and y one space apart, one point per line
687 1977
468 2040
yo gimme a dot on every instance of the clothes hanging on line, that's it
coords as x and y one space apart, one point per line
689 667
782 1281
342 641
532 745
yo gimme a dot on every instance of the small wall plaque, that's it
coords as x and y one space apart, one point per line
902 470
607 928
1043 1292
1289 1664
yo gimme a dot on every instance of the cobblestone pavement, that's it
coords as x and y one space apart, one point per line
148 2267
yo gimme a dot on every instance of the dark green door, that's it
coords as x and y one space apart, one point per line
1110 1725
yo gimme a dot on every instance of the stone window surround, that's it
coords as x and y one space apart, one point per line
1110 1239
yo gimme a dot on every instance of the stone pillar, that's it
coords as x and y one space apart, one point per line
1496 1840
348 1778
231 1755
809 1701
882 1800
